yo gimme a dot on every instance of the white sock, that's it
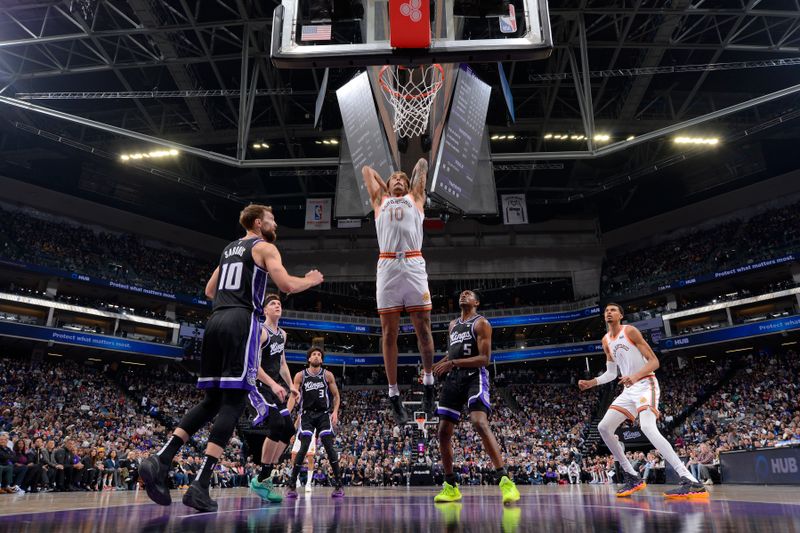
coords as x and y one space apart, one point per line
394 390
608 425
427 378
648 423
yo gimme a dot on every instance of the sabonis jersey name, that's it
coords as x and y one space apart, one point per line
462 341
241 283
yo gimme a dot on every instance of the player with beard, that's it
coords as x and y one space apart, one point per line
317 390
230 360
269 407
467 382
401 278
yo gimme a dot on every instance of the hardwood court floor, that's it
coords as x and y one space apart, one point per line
548 509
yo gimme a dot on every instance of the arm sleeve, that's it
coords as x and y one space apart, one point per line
610 373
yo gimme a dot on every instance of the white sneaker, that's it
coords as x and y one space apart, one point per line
308 487
19 490
708 482
297 484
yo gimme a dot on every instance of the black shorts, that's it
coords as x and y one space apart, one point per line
231 352
277 420
464 386
319 421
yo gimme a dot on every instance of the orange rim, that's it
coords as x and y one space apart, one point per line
434 88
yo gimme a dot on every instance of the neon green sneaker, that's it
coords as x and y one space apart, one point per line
450 493
509 490
265 490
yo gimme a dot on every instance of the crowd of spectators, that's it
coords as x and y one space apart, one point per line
43 240
757 408
92 425
730 244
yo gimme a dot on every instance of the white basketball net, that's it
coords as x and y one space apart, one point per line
411 91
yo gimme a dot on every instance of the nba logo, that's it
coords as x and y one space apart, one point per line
317 212
508 24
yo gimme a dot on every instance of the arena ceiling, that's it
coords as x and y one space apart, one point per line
173 69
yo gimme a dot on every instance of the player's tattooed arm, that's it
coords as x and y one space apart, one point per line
419 179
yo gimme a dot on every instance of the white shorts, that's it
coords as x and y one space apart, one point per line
312 449
402 284
644 394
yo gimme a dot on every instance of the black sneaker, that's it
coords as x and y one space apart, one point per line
198 498
428 399
631 484
687 489
398 410
154 474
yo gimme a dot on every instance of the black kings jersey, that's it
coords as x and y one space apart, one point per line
242 283
314 395
462 340
272 351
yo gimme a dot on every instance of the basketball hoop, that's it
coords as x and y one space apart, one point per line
410 91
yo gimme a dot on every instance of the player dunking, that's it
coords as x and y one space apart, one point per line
628 353
230 360
467 381
317 389
402 282
268 405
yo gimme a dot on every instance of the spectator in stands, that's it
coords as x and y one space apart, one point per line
705 460
6 465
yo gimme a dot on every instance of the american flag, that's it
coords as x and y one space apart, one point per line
316 33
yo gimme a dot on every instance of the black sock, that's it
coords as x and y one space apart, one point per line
450 479
265 472
204 475
337 474
169 450
500 472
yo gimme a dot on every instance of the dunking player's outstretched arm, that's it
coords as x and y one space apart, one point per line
335 394
376 187
267 256
419 180
651 365
483 330
297 379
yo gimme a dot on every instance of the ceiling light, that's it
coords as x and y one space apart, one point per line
630 138
548 136
494 137
602 137
153 154
334 141
710 141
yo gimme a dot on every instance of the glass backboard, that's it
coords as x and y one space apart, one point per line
342 33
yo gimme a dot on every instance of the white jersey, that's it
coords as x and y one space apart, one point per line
627 356
399 225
